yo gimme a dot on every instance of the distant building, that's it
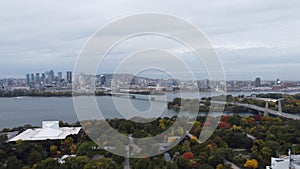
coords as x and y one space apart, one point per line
69 76
27 81
32 78
59 77
51 76
277 82
257 82
50 131
37 78
43 77
102 79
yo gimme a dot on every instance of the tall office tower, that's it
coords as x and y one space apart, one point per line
69 76
32 78
59 76
37 78
257 82
102 79
43 77
27 79
51 76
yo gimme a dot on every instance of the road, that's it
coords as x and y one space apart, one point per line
127 162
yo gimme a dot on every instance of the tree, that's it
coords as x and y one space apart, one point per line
2 154
48 163
205 166
67 143
234 120
145 164
182 162
13 163
73 148
188 155
85 148
33 157
266 152
253 164
53 149
75 162
186 146
172 165
220 166
103 163
3 138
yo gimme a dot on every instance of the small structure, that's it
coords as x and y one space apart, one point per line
64 157
50 131
287 162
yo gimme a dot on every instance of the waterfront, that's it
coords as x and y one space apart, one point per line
33 110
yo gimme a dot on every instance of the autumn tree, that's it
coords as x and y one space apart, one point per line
188 155
253 164
53 150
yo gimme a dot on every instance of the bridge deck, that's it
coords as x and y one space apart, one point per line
262 109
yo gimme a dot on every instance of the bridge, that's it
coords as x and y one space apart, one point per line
265 109
268 111
158 98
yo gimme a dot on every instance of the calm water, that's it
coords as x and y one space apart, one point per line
33 110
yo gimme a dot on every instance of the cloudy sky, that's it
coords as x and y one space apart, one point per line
252 37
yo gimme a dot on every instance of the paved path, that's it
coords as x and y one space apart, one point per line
127 162
232 165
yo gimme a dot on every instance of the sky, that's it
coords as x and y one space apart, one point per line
253 38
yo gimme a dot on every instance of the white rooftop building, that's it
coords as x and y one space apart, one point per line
50 131
285 162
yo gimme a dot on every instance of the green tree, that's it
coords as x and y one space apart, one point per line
48 163
266 152
102 163
13 163
34 157
172 165
145 163
75 162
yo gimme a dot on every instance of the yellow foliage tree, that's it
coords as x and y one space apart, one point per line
53 149
253 164
235 128
220 166
73 148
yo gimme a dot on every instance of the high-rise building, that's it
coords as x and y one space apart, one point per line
32 78
43 77
257 82
69 76
102 79
51 76
27 79
59 77
37 78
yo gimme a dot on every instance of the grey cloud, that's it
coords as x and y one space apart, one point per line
262 36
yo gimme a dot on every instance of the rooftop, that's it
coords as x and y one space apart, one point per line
49 131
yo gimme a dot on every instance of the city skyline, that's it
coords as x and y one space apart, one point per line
262 79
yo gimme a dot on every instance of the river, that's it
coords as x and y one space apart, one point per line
33 110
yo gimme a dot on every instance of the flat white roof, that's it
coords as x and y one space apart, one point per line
47 132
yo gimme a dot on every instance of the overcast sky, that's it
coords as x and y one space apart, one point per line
252 37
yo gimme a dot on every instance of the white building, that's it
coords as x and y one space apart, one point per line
49 131
285 162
